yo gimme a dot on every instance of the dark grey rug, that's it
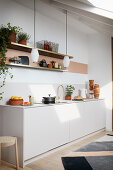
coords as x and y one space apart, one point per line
91 162
97 146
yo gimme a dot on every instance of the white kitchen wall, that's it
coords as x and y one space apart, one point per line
83 43
37 90
50 25
100 69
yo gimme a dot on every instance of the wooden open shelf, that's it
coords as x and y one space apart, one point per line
35 67
26 48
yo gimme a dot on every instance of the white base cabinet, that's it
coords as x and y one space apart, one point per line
89 117
40 129
43 130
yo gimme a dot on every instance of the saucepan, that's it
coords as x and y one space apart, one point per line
48 100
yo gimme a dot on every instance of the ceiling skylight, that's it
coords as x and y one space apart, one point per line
103 4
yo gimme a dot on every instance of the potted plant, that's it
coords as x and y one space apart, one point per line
23 38
69 91
4 41
13 31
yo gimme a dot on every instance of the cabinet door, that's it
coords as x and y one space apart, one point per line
91 117
44 129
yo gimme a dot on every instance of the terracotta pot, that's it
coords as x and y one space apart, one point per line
91 81
12 36
67 97
97 90
24 42
16 102
91 84
91 87
50 66
96 86
96 96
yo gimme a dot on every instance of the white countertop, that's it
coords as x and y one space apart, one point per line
47 105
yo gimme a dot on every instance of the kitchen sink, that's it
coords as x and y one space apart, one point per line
57 103
62 102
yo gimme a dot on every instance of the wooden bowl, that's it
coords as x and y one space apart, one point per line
16 102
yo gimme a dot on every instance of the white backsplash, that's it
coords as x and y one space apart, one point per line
36 90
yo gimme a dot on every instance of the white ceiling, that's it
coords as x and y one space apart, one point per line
89 21
96 18
101 4
30 3
84 1
75 20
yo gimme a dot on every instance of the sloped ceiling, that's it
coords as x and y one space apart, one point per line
85 1
98 19
40 7
30 3
101 4
82 10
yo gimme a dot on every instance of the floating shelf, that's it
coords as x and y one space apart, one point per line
35 67
26 48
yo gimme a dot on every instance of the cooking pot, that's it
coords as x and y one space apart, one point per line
48 100
43 63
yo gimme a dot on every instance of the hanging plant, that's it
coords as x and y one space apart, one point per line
4 41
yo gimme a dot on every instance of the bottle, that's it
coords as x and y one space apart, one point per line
45 45
56 65
31 100
53 47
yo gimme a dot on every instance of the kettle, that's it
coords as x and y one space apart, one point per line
43 63
83 93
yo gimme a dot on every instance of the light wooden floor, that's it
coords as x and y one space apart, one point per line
53 161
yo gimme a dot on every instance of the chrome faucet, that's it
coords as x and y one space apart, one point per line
57 97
